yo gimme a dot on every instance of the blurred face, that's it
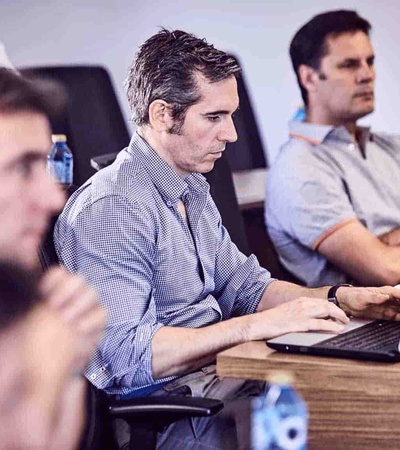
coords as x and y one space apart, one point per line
344 90
28 197
207 127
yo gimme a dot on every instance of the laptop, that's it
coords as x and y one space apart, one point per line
375 340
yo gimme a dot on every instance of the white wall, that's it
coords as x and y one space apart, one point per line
258 31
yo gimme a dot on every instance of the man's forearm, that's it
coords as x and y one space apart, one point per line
284 308
363 256
279 292
177 350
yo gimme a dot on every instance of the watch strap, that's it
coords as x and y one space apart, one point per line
332 293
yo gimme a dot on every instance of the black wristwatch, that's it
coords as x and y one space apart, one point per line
332 293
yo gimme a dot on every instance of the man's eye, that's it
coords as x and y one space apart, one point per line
24 168
213 118
350 65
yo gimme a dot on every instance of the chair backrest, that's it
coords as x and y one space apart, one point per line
247 152
260 243
223 192
93 121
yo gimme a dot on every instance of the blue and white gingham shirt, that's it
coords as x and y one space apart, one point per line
122 231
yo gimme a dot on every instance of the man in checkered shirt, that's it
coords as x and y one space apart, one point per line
147 235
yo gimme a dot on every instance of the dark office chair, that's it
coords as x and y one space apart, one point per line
222 191
92 121
146 417
247 152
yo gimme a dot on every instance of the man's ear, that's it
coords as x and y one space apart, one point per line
160 116
308 77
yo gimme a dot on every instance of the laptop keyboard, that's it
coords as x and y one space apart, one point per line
378 335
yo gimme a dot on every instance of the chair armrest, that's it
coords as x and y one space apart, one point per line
99 162
164 408
148 415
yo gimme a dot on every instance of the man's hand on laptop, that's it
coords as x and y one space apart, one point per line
371 302
78 306
302 314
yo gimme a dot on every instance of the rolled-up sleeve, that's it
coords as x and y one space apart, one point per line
115 255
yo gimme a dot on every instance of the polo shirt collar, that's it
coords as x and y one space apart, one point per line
310 132
170 185
315 134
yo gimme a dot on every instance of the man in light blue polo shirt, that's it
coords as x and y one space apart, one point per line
333 198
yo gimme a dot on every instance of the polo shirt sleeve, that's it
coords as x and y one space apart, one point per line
307 199
111 243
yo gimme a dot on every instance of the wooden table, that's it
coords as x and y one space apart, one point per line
352 404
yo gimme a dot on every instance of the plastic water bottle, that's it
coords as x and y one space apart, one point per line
279 417
60 160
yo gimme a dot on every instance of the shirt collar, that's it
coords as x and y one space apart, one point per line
170 185
315 134
310 132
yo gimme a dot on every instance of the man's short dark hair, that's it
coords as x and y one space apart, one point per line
18 293
165 67
309 44
19 94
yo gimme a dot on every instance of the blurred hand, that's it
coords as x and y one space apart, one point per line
302 314
371 302
50 347
77 304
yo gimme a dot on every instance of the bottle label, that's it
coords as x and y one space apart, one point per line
271 430
61 171
60 163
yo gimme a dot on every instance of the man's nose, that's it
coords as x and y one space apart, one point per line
228 132
366 73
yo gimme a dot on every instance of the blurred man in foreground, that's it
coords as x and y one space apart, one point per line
28 199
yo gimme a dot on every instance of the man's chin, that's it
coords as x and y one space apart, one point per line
362 112
206 168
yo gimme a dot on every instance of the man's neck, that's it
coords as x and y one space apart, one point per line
155 142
